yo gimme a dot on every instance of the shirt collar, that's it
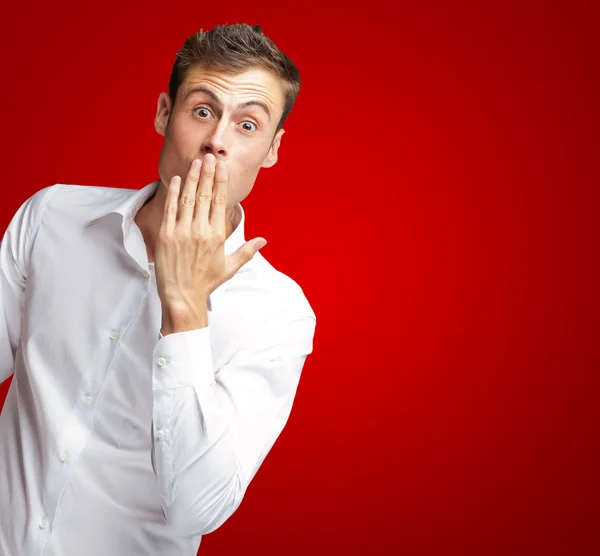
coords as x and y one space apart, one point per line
128 204
124 203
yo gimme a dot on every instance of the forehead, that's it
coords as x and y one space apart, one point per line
254 82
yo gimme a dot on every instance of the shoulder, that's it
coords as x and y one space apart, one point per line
261 308
272 290
31 209
25 222
83 193
86 198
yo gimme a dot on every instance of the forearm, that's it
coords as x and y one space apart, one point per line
212 432
197 468
194 461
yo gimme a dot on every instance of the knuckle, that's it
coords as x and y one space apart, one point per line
172 209
197 233
180 233
220 199
204 198
163 238
188 201
203 240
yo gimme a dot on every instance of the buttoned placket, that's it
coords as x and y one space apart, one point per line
159 433
78 436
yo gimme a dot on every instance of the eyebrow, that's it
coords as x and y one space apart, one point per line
217 100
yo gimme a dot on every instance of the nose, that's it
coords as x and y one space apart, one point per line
214 142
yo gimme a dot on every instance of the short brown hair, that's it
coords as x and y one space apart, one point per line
234 49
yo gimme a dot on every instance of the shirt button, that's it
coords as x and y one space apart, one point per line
43 523
161 361
160 434
64 456
146 274
88 399
114 334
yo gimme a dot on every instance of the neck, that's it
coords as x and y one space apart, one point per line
149 219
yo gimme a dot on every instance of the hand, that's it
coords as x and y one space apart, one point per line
190 261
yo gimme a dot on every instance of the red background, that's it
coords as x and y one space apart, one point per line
436 196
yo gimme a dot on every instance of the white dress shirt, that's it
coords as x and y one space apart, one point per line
115 440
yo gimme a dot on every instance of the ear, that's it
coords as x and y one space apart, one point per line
271 157
163 112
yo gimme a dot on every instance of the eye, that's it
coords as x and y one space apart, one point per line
204 111
247 122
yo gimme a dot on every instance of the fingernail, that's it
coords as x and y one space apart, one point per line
209 160
260 243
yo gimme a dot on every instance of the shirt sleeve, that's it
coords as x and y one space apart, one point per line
212 430
14 257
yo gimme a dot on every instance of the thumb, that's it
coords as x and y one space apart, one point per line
246 252
258 243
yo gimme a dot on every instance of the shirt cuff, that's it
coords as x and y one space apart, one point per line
183 359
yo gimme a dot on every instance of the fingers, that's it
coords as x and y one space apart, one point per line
204 192
219 201
203 200
172 204
188 195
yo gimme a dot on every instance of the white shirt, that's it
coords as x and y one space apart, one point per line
115 440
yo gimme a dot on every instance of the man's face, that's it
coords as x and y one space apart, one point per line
209 116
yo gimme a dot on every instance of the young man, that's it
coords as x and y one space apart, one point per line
156 353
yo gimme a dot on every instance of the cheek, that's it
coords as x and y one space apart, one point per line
179 146
251 156
245 167
180 138
242 174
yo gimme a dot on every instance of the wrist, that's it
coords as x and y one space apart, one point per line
177 319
